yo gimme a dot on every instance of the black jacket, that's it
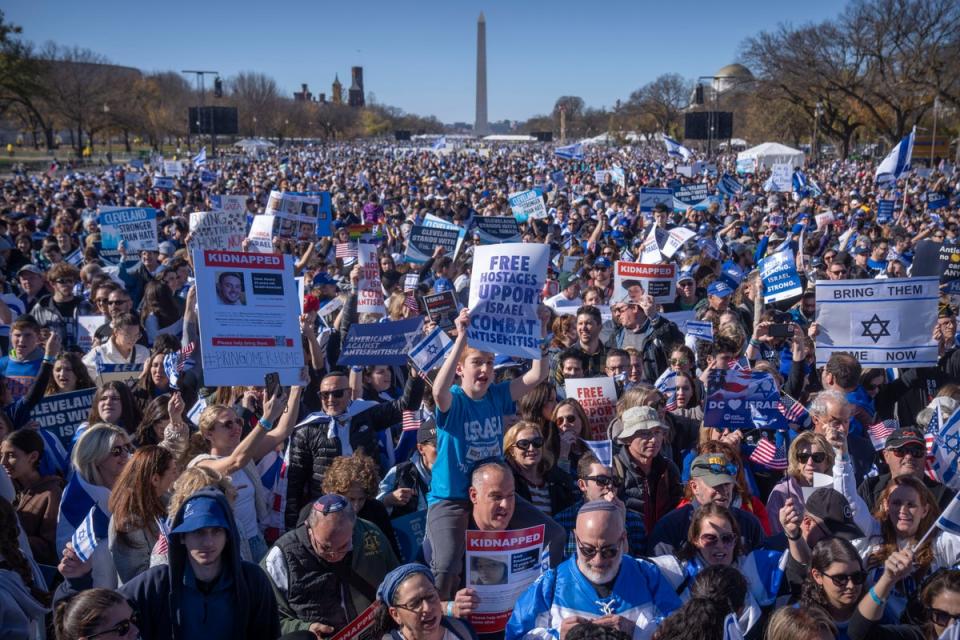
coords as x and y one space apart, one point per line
312 451
871 488
563 490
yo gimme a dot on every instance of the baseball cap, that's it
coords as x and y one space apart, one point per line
714 469
200 513
603 261
323 278
637 419
719 288
427 431
31 268
685 274
832 511
567 279
167 249
903 437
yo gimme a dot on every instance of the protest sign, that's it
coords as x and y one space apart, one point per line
937 259
162 183
248 317
369 290
172 168
361 627
650 249
500 566
651 197
261 234
527 204
324 211
229 203
297 215
936 201
824 219
61 414
885 210
135 226
423 240
324 312
218 230
778 273
504 298
598 397
746 165
380 343
883 323
739 399
571 263
781 178
86 328
631 280
441 308
494 229
558 179
676 238
127 373
689 195
410 529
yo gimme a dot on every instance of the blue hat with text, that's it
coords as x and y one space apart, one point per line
719 288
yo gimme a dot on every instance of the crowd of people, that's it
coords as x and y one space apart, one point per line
180 510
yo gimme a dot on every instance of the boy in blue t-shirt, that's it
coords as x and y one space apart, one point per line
469 430
21 366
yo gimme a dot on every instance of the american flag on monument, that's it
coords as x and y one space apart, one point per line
346 250
769 455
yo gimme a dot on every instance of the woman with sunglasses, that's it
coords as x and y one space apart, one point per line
714 539
905 512
574 427
409 608
836 583
95 613
809 453
538 407
230 453
536 478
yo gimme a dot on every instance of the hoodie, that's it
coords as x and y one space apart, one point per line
239 605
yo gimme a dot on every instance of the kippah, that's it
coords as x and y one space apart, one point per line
599 505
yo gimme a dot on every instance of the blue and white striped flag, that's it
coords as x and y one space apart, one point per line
731 628
98 361
603 449
430 352
804 186
667 385
570 152
675 149
945 452
897 161
729 186
439 143
90 533
201 158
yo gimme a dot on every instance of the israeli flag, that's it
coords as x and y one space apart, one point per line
430 351
949 520
85 537
603 449
729 186
570 152
731 628
897 161
439 143
201 158
945 452
675 149
804 186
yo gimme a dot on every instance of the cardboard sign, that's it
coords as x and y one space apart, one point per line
136 227
441 308
218 230
369 289
632 280
62 413
527 204
598 397
495 229
424 240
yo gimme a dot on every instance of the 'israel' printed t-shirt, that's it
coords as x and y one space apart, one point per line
471 431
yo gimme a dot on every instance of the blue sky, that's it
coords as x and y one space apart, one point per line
420 56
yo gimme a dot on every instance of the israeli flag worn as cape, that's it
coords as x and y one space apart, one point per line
897 161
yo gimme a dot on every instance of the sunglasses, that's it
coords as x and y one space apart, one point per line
227 424
719 469
602 268
913 452
102 301
119 451
841 579
588 552
122 628
525 444
679 362
710 539
64 281
604 481
818 457
336 393
942 618
566 419
114 303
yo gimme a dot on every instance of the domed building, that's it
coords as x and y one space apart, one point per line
731 77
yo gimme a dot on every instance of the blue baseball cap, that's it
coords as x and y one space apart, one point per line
685 274
323 278
200 513
719 288
602 261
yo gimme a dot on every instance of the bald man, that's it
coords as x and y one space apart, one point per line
601 584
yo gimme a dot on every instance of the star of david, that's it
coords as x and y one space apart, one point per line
951 443
433 349
879 332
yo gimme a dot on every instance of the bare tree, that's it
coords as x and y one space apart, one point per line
664 99
256 97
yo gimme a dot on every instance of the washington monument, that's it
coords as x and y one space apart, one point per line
481 127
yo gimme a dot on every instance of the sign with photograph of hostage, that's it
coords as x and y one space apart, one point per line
500 567
883 323
505 288
633 280
298 215
136 227
249 318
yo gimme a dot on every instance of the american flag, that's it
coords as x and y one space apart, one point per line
769 455
346 250
411 302
411 420
794 412
881 431
740 364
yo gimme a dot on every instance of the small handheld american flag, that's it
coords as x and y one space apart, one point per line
346 250
769 455
411 420
881 431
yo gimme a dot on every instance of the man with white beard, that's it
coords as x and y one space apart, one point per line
601 584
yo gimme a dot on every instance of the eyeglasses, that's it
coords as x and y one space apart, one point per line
588 552
838 272
942 618
710 539
122 628
841 579
336 393
685 283
64 281
525 444
416 604
102 301
602 268
679 362
913 452
818 457
604 481
119 451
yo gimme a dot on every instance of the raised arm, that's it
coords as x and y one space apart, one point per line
250 445
444 380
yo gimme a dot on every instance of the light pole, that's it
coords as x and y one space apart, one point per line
933 141
201 86
815 147
106 116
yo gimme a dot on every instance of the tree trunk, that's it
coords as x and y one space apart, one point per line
126 141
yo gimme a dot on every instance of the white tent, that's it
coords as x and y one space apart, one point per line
768 154
253 145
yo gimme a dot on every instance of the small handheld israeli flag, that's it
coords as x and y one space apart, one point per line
85 537
430 352
897 161
675 149
731 628
201 158
98 362
603 449
439 143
